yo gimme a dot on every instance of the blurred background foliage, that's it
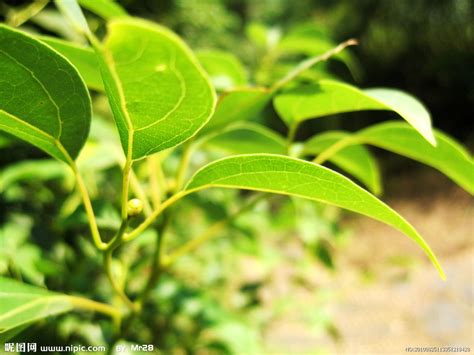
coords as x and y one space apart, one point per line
222 298
422 47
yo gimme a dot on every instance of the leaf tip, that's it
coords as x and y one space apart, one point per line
431 138
440 270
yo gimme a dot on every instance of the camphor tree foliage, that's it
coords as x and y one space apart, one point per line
179 139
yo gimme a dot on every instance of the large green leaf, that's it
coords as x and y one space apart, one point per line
21 305
82 57
106 9
449 156
355 159
329 97
158 92
238 105
225 70
247 138
43 100
289 176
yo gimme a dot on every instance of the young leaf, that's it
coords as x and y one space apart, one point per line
329 97
238 105
294 177
159 93
43 100
107 9
247 138
448 156
225 70
356 159
82 57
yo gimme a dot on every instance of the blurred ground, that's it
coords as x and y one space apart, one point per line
387 295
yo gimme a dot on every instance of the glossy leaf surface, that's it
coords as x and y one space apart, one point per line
355 159
328 97
294 177
73 13
21 304
449 156
158 92
43 100
82 57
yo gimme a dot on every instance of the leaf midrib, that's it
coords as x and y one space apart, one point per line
29 305
49 138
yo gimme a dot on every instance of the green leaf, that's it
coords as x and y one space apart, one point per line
21 305
43 100
9 334
449 156
328 97
247 138
225 70
356 159
158 92
263 36
107 9
36 170
294 177
82 57
237 105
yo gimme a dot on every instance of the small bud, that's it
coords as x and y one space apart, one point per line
134 207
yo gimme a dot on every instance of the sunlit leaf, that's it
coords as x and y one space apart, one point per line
449 156
355 159
43 100
71 10
329 97
106 9
225 70
82 57
289 176
158 92
21 305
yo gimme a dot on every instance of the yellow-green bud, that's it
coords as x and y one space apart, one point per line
134 207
